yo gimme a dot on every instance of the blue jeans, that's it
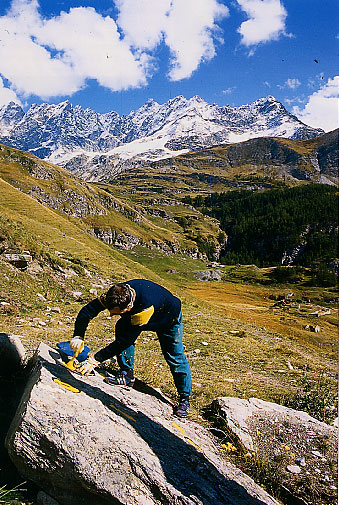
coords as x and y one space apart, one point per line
173 351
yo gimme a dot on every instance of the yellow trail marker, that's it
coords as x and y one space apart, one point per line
182 431
179 428
66 386
123 413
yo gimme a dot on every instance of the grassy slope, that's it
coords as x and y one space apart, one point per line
27 173
238 344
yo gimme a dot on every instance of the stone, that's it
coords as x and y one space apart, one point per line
19 260
12 354
84 442
208 275
300 461
293 469
238 413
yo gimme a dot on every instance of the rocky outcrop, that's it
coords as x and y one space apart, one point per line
84 442
208 275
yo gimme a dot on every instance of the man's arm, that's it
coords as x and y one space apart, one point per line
125 335
87 313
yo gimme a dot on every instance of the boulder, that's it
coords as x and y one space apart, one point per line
84 442
12 354
208 275
297 446
19 260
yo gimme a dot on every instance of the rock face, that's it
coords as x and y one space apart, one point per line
87 443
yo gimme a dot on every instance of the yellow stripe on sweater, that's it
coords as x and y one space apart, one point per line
142 317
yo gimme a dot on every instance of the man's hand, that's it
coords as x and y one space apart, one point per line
88 366
77 345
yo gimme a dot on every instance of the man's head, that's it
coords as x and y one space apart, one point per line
118 299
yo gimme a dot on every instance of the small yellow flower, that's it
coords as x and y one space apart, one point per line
292 454
228 447
248 455
259 432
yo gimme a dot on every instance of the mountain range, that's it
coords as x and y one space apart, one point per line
91 144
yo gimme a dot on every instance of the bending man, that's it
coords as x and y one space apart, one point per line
141 305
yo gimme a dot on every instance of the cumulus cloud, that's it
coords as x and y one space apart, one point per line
321 109
53 57
190 34
56 56
187 27
266 21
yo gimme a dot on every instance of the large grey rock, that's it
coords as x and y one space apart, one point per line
242 417
208 275
112 445
299 449
12 354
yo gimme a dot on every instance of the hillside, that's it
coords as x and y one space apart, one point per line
104 213
246 334
290 226
68 259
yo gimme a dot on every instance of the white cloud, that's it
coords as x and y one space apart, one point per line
56 56
143 22
321 110
7 95
228 91
91 46
292 83
190 34
187 27
266 21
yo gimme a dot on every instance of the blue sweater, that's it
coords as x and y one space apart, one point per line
154 309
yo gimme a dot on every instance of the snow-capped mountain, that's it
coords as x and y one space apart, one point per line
95 146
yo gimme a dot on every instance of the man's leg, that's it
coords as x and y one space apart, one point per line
173 350
125 376
126 360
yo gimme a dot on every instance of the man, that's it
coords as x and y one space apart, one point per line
142 305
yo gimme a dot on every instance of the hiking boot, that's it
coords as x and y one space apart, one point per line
120 379
182 409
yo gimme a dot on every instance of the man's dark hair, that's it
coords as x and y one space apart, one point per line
118 295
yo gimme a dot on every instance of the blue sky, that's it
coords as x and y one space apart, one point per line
116 54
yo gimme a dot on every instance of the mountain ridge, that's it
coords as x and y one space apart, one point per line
65 135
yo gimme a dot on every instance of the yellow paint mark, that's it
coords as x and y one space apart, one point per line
194 444
186 438
123 413
179 428
66 386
